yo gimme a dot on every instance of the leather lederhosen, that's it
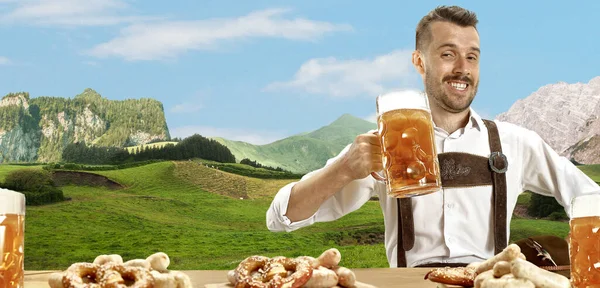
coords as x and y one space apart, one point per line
460 169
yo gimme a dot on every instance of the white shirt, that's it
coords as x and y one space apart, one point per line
453 224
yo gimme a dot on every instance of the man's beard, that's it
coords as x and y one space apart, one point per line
435 91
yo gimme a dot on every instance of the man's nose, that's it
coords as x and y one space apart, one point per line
461 67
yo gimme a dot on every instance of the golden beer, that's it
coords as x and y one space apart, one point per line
12 239
584 251
409 156
584 241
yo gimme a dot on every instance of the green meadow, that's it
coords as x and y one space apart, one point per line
202 218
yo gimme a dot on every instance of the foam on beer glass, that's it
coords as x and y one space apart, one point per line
12 238
408 152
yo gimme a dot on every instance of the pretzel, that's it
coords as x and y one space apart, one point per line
452 276
82 275
119 276
302 272
274 277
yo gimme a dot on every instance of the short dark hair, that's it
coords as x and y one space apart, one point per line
453 14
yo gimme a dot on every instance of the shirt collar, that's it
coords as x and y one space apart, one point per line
475 121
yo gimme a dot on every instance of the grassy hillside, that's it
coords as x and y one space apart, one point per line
305 152
160 211
5 169
194 214
591 170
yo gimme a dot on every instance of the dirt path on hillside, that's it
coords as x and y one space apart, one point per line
63 178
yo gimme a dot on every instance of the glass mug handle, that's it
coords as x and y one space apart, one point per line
376 174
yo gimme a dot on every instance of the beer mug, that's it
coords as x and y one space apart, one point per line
12 238
584 241
408 152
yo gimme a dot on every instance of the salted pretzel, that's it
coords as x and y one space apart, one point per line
272 272
114 275
462 276
82 275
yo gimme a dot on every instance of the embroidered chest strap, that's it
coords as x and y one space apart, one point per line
464 170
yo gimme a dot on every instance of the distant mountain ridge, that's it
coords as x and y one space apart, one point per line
38 129
304 152
565 116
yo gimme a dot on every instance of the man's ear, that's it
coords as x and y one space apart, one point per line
417 60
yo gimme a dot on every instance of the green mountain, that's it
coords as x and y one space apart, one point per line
306 151
38 129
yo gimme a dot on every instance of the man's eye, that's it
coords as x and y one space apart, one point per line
446 55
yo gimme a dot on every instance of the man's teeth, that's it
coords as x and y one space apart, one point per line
459 86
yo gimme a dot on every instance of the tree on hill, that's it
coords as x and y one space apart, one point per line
258 165
195 146
37 185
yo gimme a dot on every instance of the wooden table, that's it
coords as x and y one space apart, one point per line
379 277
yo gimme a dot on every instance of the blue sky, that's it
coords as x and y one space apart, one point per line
259 71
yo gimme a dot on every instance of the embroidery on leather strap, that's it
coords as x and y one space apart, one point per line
450 169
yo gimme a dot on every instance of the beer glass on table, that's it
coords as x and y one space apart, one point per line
12 238
584 241
409 155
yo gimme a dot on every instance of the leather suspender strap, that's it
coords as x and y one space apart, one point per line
406 230
498 165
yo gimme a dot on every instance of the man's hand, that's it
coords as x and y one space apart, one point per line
363 157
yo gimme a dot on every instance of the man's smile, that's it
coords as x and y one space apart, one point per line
457 86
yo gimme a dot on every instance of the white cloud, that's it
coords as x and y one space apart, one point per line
70 13
256 137
167 39
345 78
186 108
4 61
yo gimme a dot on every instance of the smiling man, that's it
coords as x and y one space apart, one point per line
468 219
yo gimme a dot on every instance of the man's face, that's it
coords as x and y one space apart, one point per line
451 63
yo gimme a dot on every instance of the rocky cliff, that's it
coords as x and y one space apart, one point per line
565 116
38 129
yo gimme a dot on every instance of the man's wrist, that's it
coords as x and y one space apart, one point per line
342 172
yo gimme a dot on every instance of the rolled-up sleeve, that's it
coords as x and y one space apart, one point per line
348 199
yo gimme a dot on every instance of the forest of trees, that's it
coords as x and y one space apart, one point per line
195 146
258 165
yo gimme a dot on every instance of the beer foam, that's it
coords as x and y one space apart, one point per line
11 202
585 206
402 99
